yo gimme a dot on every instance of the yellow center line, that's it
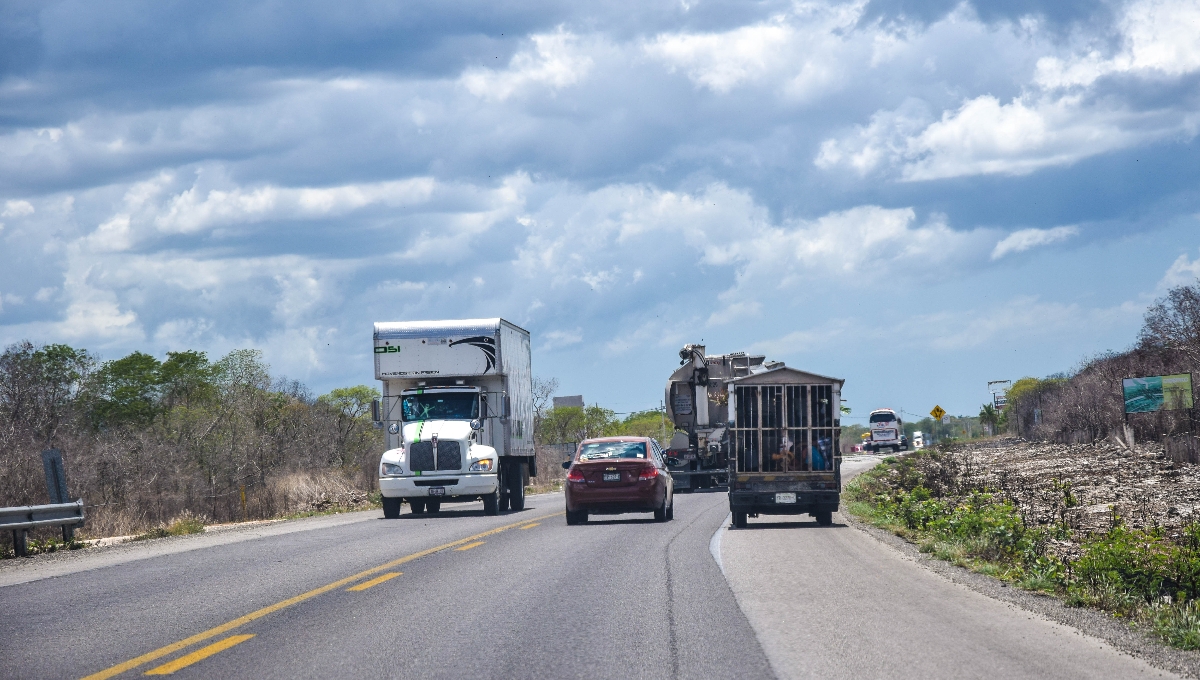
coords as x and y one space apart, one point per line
283 604
374 582
530 526
198 655
468 546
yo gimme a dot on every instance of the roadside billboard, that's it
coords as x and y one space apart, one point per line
1157 393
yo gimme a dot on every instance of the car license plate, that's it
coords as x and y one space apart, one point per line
785 498
437 491
612 476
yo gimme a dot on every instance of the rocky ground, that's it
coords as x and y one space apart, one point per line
1085 486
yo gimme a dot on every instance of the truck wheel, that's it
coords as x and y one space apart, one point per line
391 507
824 517
491 503
433 506
739 520
516 487
418 506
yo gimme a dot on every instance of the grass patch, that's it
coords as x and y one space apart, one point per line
1143 575
182 525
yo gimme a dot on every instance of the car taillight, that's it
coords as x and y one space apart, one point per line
574 476
647 474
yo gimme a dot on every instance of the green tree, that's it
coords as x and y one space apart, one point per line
125 391
186 379
651 423
573 424
353 403
990 417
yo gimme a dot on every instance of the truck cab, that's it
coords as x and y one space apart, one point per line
887 431
440 455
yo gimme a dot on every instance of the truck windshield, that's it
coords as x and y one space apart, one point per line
440 406
599 450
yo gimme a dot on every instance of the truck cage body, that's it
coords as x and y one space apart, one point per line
784 435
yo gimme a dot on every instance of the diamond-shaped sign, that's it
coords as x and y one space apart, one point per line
937 412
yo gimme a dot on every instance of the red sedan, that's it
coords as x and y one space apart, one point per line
613 475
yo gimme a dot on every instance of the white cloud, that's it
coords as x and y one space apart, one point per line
1021 240
985 137
1158 37
556 61
805 52
1182 272
17 209
561 338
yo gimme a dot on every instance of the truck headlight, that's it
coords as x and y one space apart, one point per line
484 465
391 469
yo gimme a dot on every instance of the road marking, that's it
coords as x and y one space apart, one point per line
283 604
530 526
198 655
468 546
374 582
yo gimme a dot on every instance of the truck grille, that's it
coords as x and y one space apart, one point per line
449 456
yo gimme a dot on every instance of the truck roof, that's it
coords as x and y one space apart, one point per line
441 328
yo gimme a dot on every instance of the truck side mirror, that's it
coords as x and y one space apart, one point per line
476 425
566 465
375 411
507 413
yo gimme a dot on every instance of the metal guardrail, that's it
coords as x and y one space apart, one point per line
23 518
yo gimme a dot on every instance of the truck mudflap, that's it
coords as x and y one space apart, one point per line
783 502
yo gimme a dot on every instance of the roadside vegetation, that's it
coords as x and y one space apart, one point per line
1147 575
163 446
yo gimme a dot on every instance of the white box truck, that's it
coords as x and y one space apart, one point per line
457 407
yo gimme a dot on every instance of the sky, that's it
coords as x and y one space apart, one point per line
918 196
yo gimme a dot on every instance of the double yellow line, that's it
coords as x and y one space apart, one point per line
271 609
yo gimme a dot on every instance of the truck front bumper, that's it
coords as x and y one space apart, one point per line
454 485
766 502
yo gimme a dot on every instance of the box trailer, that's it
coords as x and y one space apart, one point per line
457 408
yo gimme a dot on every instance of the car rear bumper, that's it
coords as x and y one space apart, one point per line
614 499
764 502
455 485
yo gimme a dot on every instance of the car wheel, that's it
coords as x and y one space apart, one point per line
516 487
739 520
391 507
418 506
824 517
671 509
660 513
433 506
491 502
572 518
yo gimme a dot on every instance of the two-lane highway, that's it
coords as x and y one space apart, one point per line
453 595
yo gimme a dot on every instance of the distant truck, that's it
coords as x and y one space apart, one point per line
775 429
457 409
918 440
887 431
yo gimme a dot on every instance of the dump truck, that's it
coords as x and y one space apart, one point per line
775 430
457 409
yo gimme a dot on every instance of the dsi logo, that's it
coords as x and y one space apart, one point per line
387 350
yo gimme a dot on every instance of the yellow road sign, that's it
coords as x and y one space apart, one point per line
937 412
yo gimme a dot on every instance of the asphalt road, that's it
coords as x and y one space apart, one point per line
617 598
522 595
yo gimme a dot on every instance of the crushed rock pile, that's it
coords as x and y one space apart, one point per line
1082 484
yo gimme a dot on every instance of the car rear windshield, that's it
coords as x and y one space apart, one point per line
601 450
882 417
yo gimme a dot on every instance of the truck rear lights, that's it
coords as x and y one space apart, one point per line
575 476
647 474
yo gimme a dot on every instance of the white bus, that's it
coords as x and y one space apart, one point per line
886 431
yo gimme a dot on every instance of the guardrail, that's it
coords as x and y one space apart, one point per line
23 518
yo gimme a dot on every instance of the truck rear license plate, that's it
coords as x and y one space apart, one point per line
785 498
612 476
441 491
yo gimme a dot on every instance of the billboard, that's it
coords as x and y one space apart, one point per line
1000 401
1157 393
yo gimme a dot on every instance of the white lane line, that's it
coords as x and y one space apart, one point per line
714 544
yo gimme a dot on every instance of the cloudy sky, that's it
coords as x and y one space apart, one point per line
916 195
